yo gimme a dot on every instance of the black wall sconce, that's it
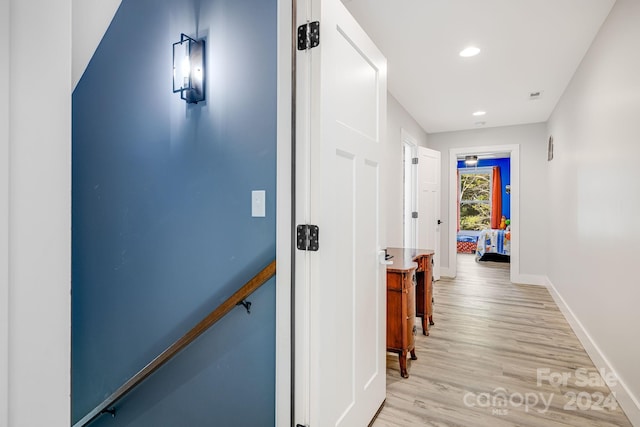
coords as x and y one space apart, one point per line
188 69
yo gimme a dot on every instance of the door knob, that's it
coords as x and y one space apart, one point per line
439 222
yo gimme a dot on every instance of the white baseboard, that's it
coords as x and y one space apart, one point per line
628 402
446 272
524 279
530 279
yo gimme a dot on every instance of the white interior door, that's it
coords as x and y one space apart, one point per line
429 204
341 288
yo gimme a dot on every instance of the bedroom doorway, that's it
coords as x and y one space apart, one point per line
476 210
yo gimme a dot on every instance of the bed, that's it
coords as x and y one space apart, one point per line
466 243
491 241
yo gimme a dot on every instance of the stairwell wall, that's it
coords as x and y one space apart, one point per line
161 215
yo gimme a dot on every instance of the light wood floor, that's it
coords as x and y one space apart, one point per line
491 336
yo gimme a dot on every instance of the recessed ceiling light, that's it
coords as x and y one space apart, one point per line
480 123
469 51
479 113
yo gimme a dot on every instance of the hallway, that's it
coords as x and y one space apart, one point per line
492 358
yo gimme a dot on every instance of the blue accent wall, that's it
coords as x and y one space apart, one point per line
162 227
505 177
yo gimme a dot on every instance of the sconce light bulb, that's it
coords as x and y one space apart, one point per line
186 66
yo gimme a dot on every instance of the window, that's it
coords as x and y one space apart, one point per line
475 198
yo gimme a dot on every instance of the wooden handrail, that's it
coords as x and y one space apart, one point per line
247 289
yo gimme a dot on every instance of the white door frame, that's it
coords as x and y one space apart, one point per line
5 49
514 152
407 139
284 225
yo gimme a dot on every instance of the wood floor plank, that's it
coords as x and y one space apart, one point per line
491 338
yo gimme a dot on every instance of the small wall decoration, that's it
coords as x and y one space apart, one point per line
550 149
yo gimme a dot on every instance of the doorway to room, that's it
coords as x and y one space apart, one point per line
480 204
484 207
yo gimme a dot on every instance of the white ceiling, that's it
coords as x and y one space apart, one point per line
526 46
90 20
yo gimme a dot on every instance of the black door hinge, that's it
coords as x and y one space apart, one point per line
414 214
309 35
307 237
414 160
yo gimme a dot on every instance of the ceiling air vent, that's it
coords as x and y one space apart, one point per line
535 95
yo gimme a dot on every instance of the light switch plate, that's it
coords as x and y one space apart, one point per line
258 198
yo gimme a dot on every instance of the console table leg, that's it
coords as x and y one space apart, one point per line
431 320
425 327
403 364
413 355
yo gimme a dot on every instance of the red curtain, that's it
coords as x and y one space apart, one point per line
458 204
496 198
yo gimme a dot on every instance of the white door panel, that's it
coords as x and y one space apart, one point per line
341 288
429 204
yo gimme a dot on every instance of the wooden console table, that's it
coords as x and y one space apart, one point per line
424 281
409 276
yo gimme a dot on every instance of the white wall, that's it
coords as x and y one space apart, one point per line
91 18
39 213
594 195
533 155
4 212
397 118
